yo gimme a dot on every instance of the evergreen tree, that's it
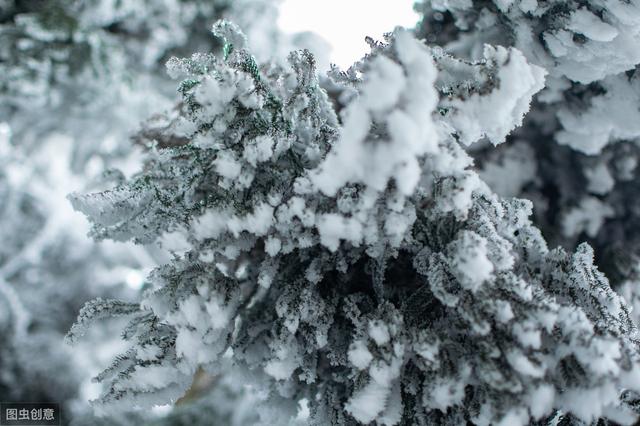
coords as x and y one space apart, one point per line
93 69
76 77
337 249
576 157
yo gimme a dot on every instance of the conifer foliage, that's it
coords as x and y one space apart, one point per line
576 157
339 250
75 77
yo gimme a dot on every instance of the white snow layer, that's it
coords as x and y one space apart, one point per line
404 104
497 113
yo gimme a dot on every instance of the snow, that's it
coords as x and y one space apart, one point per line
379 332
609 117
206 256
397 225
155 376
588 404
371 401
515 417
524 365
589 25
333 227
368 402
5 139
428 351
272 246
214 222
395 159
392 414
191 311
588 217
258 150
497 113
283 366
188 343
541 401
267 273
219 312
359 355
599 179
247 94
226 166
611 45
504 313
230 33
384 84
175 242
470 261
605 357
345 162
527 334
211 224
386 95
445 393
213 96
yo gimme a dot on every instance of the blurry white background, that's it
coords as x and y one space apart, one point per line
334 21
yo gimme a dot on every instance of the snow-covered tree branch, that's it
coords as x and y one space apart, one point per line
444 233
